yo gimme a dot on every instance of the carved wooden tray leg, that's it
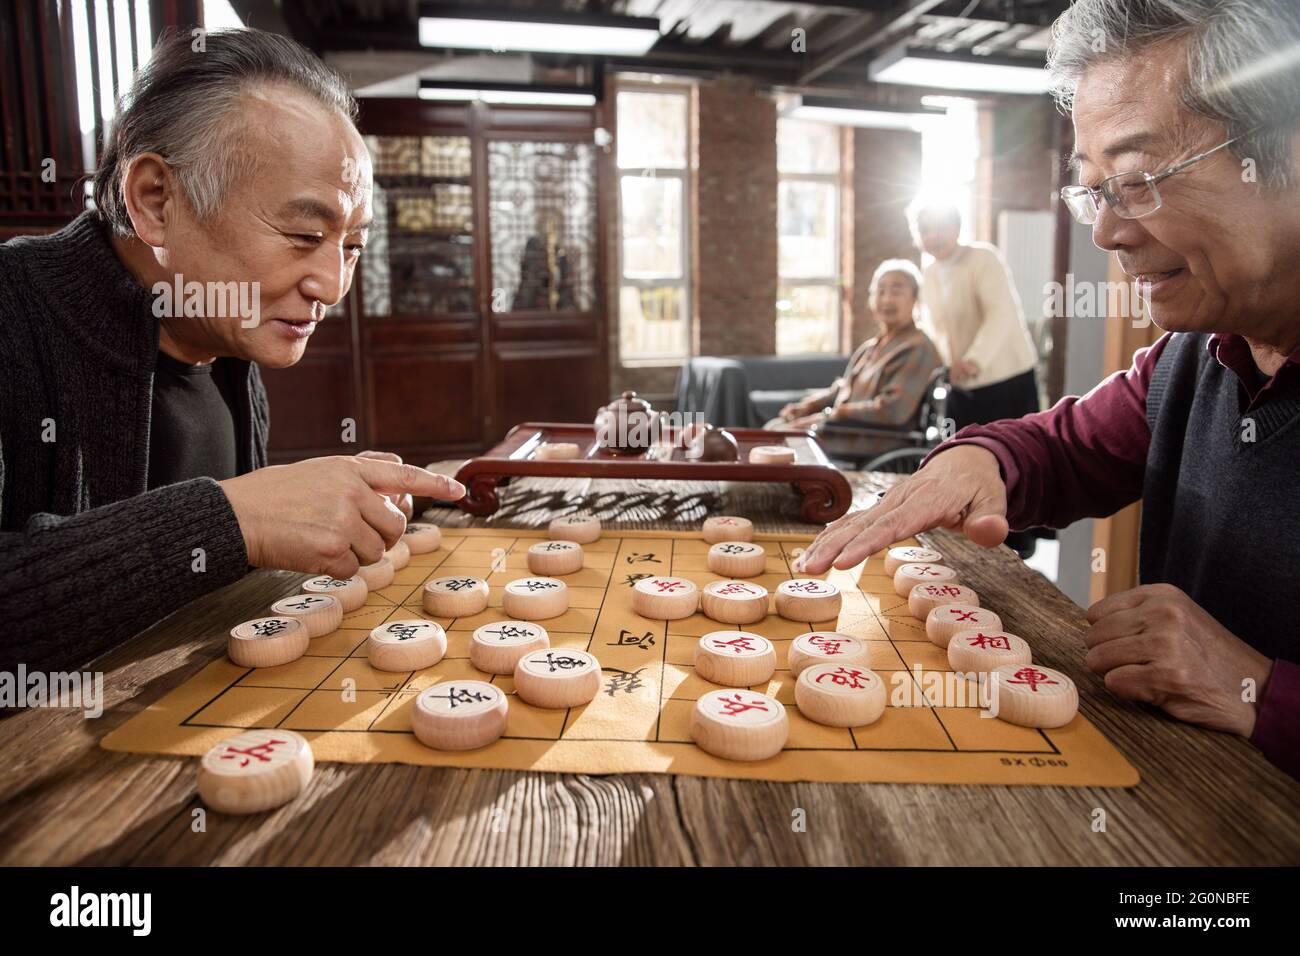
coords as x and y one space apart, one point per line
824 500
481 494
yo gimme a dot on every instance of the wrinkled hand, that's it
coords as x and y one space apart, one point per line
404 503
1156 645
959 488
327 515
962 372
789 412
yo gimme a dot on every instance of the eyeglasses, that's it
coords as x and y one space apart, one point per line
1132 195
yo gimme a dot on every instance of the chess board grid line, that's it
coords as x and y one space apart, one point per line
645 740
393 695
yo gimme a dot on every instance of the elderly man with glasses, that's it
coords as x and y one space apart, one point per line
1187 131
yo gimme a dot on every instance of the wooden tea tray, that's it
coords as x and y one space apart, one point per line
825 493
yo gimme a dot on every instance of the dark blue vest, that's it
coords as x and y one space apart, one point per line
1221 513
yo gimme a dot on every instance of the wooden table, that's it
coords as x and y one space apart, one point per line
1205 798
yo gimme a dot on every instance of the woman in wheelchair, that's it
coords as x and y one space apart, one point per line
886 378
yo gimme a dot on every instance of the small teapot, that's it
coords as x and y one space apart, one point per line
627 425
707 443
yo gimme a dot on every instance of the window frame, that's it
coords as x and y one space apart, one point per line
684 175
835 281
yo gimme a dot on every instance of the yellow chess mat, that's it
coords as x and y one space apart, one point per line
639 721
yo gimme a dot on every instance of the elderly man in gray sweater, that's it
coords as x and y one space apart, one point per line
232 202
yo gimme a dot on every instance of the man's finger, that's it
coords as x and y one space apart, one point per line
823 551
901 522
1132 682
1117 602
1120 624
1122 651
381 514
391 478
986 521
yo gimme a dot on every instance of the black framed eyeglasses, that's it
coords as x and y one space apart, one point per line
1132 195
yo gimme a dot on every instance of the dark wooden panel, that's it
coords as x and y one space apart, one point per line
429 401
385 335
308 404
547 381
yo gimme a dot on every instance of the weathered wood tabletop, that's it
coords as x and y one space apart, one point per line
1205 798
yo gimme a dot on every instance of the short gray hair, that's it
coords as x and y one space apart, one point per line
906 266
1243 63
180 107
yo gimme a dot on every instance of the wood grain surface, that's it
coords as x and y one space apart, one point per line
1205 798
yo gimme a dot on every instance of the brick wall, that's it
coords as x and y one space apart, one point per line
736 281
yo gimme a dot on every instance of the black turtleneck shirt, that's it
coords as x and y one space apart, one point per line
192 426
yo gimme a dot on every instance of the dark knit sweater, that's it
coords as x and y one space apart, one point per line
1219 513
89 556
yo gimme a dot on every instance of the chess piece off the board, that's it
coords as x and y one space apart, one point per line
728 528
924 598
409 645
948 619
825 647
255 771
771 455
808 599
422 538
582 528
459 714
736 559
268 642
321 614
735 658
739 724
910 575
734 602
556 451
895 558
496 648
535 599
840 695
555 557
557 677
979 652
351 592
1031 695
455 596
664 598
378 575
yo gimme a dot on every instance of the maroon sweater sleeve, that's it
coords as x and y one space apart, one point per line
1082 458
1277 726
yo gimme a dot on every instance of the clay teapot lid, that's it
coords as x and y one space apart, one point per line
628 402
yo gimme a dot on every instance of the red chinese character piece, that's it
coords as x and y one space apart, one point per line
849 677
260 752
1031 677
738 644
733 706
827 645
997 642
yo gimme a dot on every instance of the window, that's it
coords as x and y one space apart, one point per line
654 192
808 203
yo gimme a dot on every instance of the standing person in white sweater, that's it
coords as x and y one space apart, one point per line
975 319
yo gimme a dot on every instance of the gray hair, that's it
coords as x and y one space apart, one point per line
1243 63
906 266
180 107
